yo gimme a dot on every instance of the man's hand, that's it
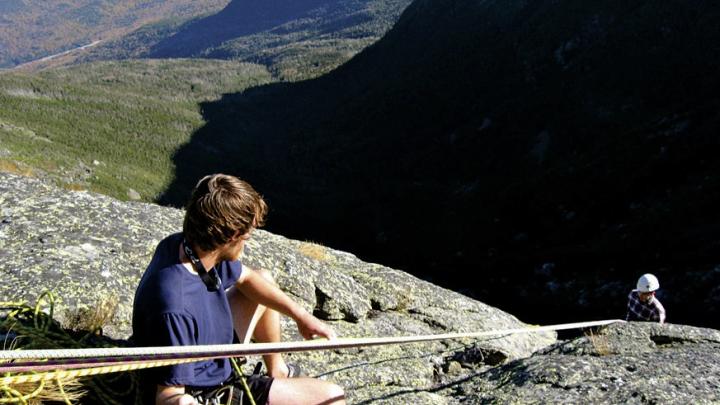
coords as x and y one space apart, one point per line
187 400
173 395
310 327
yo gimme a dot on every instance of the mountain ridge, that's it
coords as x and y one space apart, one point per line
556 150
296 40
33 29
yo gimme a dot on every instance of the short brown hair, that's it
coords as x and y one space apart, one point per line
220 207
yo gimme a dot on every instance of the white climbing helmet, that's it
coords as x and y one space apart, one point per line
648 283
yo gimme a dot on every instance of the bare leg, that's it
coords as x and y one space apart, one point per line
290 391
253 320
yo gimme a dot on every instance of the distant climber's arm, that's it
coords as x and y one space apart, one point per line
661 311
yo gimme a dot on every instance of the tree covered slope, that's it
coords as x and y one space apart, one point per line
295 39
111 126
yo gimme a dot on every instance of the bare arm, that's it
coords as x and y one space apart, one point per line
255 287
661 311
173 395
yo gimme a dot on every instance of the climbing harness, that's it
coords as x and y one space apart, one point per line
230 392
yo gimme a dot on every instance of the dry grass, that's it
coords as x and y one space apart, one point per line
74 187
9 166
94 318
314 251
599 343
69 390
404 302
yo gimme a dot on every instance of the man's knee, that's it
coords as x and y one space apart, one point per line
305 391
334 392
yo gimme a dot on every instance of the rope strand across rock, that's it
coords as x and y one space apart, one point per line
115 359
57 366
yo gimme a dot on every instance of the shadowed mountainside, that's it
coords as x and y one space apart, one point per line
239 18
295 39
551 150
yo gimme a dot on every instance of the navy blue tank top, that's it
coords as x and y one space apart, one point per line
173 307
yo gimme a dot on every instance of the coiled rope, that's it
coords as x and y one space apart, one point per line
27 326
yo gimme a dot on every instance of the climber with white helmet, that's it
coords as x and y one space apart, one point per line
642 303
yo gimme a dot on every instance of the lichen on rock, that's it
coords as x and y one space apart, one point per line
87 247
636 363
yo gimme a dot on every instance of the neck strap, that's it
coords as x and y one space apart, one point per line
210 278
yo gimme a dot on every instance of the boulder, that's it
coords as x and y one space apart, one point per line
632 363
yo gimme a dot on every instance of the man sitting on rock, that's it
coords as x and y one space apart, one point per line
197 292
642 303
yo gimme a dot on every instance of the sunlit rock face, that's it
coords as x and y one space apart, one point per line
635 363
85 247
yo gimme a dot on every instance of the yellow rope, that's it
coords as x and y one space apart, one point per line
35 327
86 372
242 380
18 396
47 319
